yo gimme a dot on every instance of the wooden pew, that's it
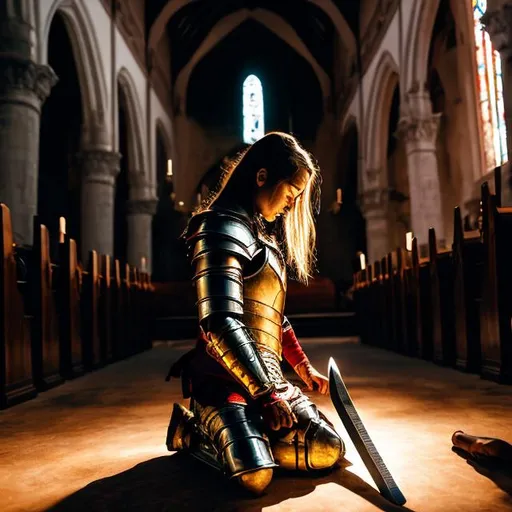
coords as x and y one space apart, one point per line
387 309
68 307
399 339
105 310
414 317
379 331
496 305
117 320
127 303
45 325
16 381
442 303
467 275
89 310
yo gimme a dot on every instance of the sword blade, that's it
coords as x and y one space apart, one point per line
359 436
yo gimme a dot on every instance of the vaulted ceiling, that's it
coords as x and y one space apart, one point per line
188 22
303 50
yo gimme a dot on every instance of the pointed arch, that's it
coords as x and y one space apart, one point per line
418 41
384 82
135 132
89 65
225 26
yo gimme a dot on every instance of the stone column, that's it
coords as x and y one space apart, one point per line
139 216
374 206
24 85
498 23
419 129
98 169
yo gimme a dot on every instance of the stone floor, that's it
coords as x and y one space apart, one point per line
97 443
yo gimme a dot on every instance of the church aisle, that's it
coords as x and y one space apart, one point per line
97 443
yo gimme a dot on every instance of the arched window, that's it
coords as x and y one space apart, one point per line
490 91
254 121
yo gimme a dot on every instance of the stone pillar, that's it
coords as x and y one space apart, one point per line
139 216
24 85
498 23
98 169
419 129
374 206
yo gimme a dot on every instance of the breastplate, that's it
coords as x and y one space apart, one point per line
264 298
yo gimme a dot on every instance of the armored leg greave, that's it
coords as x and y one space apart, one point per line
231 438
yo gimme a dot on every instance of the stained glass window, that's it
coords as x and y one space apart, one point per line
253 109
490 92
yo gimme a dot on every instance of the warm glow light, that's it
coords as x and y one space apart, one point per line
362 259
169 168
198 199
62 229
181 203
408 240
143 266
339 196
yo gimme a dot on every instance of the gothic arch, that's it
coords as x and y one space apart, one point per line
89 66
136 158
347 38
384 82
226 25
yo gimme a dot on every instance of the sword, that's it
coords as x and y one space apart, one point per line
359 436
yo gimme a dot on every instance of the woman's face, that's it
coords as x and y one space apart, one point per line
280 198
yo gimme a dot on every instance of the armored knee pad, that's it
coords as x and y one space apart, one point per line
314 445
242 448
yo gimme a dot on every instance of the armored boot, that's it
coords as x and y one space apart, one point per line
179 431
185 434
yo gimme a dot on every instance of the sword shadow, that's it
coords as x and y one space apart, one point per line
357 485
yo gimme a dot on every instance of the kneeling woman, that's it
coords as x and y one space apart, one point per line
245 418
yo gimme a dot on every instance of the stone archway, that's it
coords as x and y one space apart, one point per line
89 67
59 180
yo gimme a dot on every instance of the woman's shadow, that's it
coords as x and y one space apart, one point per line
179 482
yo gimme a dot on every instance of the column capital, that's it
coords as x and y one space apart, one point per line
498 24
374 202
419 129
18 74
99 165
141 206
372 176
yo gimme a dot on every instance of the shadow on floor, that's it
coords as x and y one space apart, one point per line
494 469
180 483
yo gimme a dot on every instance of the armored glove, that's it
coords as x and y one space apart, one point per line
277 412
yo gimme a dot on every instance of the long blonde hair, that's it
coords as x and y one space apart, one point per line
282 155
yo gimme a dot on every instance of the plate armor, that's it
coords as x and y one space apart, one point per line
240 278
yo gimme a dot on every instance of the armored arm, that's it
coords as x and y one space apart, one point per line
220 246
